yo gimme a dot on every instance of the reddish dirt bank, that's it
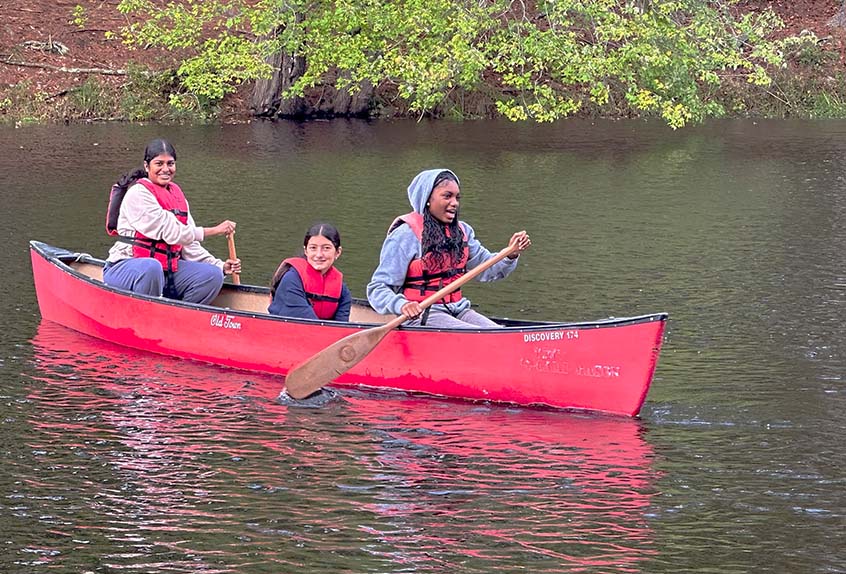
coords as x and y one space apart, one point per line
35 32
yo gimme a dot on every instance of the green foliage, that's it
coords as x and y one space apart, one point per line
424 48
226 56
156 96
823 97
21 103
666 58
78 18
806 49
828 105
223 64
144 94
90 100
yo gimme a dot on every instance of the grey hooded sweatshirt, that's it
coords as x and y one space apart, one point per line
401 246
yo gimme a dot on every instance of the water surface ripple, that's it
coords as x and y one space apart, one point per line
116 460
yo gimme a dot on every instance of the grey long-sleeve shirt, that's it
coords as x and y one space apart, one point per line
400 247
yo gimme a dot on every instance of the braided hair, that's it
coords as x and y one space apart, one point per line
443 244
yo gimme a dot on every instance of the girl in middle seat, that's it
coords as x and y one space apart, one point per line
310 286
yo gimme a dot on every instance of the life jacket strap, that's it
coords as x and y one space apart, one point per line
314 297
150 244
153 247
440 275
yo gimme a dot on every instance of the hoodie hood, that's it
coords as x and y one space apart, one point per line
420 188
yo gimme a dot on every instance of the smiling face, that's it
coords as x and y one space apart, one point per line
161 169
321 253
443 203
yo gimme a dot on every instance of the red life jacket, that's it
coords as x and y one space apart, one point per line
170 199
424 276
323 292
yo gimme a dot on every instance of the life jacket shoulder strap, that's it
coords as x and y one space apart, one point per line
413 219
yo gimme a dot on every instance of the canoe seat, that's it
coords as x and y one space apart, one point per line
230 297
93 271
360 313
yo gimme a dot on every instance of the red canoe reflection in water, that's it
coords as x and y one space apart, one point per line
571 489
154 416
425 483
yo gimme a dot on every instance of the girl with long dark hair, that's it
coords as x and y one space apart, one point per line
428 249
158 250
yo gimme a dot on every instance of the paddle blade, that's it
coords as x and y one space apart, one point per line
333 361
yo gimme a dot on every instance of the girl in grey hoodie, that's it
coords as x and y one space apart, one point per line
440 237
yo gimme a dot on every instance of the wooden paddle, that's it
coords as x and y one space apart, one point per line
341 356
236 278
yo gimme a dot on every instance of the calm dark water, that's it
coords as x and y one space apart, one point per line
116 460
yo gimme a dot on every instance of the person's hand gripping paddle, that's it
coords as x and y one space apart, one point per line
236 277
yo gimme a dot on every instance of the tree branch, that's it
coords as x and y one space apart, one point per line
104 71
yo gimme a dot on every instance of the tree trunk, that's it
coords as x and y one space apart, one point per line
292 68
266 100
345 104
838 21
335 102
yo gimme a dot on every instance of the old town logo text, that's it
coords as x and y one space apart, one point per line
225 321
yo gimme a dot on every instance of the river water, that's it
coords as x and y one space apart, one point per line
118 460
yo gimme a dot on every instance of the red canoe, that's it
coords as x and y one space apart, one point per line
603 366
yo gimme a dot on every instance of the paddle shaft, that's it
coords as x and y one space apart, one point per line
339 357
455 285
236 278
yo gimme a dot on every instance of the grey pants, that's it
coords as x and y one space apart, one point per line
194 282
467 319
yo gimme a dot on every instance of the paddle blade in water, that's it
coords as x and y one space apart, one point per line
333 361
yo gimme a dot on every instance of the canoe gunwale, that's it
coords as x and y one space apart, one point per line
62 259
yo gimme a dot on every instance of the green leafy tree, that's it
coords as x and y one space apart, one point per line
540 61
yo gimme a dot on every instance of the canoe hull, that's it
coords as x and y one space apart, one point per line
603 366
